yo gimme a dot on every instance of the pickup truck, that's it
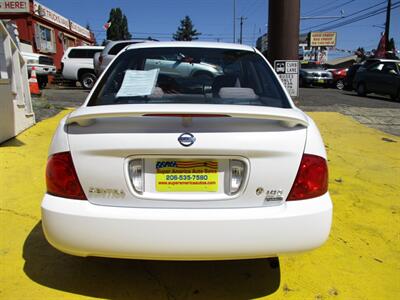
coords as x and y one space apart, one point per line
43 64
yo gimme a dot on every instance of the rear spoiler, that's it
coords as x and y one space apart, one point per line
85 116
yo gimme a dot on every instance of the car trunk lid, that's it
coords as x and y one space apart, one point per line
268 142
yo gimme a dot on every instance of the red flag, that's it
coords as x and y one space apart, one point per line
107 25
381 50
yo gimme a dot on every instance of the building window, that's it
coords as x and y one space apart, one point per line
68 42
45 40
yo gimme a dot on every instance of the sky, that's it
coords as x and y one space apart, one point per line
214 18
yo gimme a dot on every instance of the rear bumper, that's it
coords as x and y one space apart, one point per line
42 69
318 80
80 228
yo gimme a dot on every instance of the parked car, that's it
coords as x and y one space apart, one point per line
182 66
161 166
312 73
351 72
381 77
112 48
77 64
339 76
44 66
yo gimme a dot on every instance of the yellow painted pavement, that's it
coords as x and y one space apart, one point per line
361 260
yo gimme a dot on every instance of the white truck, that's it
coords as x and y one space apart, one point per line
77 64
43 64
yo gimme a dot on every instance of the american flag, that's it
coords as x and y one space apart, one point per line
107 25
196 164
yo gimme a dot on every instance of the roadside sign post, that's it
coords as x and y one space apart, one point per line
288 71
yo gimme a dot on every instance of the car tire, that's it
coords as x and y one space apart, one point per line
361 89
396 97
42 81
88 80
302 82
42 85
339 84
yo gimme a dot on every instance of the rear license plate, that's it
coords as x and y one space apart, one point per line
321 81
186 175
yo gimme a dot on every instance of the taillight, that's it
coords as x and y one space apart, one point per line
61 178
311 180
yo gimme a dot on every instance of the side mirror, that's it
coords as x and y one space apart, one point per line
393 72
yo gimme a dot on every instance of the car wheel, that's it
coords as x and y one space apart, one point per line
42 81
87 80
339 84
361 90
302 82
42 85
396 96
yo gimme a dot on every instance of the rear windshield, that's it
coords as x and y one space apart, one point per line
189 76
313 66
118 47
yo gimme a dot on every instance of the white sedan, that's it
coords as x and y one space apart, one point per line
161 166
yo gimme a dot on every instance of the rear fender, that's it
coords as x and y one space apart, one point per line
60 142
314 143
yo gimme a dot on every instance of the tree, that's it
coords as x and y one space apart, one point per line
118 29
186 31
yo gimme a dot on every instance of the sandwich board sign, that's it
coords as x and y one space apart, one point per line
288 72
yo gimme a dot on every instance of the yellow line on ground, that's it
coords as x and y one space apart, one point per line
361 260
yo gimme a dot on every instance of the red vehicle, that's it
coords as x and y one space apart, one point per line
339 76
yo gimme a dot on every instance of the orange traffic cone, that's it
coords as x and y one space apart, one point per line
33 83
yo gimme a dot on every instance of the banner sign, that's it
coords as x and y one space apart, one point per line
288 72
50 15
80 29
322 39
11 6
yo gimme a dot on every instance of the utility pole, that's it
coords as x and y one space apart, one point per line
234 21
387 24
241 29
283 30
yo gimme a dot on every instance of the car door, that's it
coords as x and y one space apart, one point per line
388 81
165 65
373 77
176 66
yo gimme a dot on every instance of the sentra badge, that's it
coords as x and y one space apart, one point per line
107 193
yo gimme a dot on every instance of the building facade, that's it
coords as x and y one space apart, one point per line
47 31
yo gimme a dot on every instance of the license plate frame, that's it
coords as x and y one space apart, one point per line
186 175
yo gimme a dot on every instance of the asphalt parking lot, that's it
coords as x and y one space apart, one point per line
361 259
374 111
